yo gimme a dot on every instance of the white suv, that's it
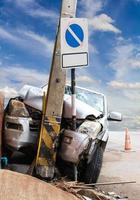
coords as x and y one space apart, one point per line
83 147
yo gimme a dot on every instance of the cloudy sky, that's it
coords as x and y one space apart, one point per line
27 32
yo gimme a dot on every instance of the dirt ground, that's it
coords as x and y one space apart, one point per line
122 166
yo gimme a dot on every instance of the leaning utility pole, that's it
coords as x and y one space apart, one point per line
46 155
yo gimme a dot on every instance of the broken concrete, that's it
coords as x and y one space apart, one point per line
16 186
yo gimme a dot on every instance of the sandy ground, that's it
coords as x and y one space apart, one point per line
122 166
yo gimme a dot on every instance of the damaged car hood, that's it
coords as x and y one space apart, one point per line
32 96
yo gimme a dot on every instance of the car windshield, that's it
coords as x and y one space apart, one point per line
93 99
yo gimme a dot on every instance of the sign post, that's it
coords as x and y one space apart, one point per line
74 53
73 98
74 42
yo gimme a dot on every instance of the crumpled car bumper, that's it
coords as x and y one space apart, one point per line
18 132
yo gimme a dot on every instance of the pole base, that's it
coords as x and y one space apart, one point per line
46 172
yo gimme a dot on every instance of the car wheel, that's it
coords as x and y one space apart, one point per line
93 168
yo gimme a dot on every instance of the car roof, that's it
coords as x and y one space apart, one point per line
82 88
89 90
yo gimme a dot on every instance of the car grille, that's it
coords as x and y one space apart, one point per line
35 126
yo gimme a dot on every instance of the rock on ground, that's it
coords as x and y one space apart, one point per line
16 186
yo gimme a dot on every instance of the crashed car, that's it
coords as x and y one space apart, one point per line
21 126
82 148
85 146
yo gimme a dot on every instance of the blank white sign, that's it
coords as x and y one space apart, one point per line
73 60
74 42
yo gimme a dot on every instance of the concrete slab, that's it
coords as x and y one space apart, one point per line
16 186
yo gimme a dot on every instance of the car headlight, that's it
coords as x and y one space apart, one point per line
90 128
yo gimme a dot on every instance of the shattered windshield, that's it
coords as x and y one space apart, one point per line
88 97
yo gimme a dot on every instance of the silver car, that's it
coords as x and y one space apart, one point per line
85 146
82 148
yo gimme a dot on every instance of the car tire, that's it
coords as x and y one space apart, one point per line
93 168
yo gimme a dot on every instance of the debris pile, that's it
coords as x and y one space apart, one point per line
87 192
15 186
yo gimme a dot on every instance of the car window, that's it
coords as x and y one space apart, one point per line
88 97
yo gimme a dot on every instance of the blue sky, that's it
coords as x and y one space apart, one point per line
27 33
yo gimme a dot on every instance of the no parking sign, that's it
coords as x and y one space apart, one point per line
74 42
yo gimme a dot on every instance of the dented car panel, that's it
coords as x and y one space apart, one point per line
73 145
18 132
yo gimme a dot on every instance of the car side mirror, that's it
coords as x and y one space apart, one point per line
115 116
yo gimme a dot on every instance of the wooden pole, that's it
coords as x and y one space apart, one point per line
45 162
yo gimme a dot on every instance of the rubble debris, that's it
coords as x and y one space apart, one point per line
111 193
82 191
15 186
111 183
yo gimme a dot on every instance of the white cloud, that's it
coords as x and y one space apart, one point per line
13 77
16 76
8 92
93 49
125 101
103 23
135 63
124 90
44 41
43 13
125 58
84 78
124 85
33 42
91 7
34 9
4 34
134 96
24 3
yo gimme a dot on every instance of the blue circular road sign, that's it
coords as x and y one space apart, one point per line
74 35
